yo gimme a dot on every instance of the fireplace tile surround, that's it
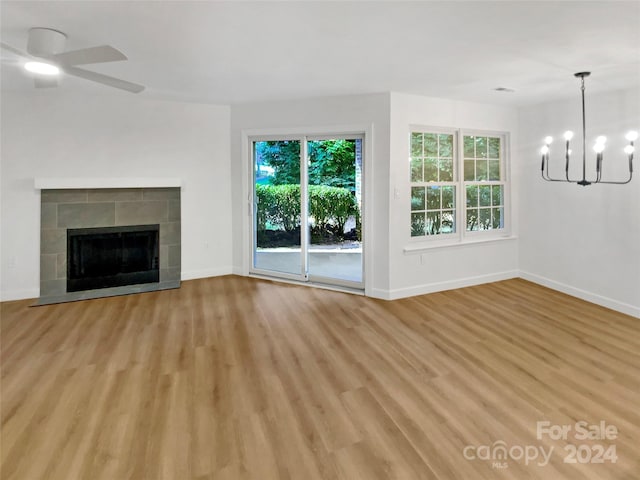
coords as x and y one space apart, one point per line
106 207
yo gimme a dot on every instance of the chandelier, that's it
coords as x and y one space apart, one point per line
598 147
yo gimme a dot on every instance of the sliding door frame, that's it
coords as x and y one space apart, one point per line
304 208
248 136
314 278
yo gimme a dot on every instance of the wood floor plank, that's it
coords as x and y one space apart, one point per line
245 379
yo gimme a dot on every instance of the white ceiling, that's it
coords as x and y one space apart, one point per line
236 51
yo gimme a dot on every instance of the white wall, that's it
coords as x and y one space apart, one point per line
314 115
443 268
48 134
584 241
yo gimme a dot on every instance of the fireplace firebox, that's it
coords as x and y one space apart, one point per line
112 257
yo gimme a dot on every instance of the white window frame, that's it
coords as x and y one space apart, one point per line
461 235
455 183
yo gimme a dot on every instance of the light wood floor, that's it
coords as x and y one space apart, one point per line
237 378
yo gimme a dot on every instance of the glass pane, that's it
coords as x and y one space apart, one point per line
335 223
485 219
446 170
416 144
496 195
481 170
472 196
472 219
497 220
417 198
431 170
416 170
481 147
433 198
448 222
494 147
484 191
469 147
430 145
494 169
277 213
417 224
469 170
448 196
433 223
446 145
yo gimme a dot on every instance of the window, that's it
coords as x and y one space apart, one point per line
457 179
483 183
433 190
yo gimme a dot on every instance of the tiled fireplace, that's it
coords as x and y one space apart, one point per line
93 209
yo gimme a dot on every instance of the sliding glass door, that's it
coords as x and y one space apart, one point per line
307 208
278 232
335 202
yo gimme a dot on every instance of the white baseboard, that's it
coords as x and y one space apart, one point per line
379 293
239 271
603 301
441 286
634 311
10 295
210 272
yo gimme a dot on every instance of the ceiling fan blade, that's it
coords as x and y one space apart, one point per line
104 79
45 82
15 50
84 56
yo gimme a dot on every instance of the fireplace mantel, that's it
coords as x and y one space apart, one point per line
80 183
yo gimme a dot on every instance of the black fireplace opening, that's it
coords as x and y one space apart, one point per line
112 257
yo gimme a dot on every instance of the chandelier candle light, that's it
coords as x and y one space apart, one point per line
598 148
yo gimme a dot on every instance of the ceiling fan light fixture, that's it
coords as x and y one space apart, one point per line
47 58
41 68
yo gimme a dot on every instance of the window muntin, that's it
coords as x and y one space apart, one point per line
435 187
482 158
433 191
483 182
485 207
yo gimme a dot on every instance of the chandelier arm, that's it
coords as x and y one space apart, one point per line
545 174
566 166
545 170
560 180
549 179
618 182
598 180
546 177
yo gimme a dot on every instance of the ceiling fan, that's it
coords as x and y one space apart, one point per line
46 58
